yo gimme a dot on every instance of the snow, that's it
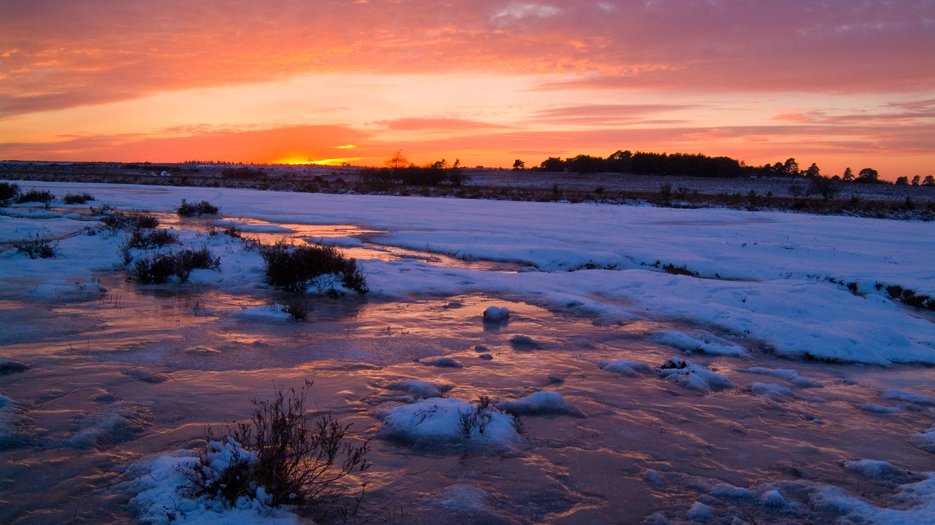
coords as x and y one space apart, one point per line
874 469
435 423
793 376
907 396
769 390
763 275
698 341
773 498
421 389
926 440
162 485
540 404
496 314
688 375
880 409
626 367
442 362
117 422
916 504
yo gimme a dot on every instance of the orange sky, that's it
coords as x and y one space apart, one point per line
838 82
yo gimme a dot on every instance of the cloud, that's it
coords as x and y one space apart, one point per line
517 12
436 124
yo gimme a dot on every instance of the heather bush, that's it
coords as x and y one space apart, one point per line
293 267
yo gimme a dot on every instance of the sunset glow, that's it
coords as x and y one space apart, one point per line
837 83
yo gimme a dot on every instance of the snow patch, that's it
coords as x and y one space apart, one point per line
698 341
420 389
626 367
268 312
769 390
119 421
788 374
907 396
439 422
496 314
541 404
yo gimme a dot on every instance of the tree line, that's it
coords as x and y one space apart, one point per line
700 165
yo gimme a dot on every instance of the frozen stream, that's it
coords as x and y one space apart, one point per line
119 372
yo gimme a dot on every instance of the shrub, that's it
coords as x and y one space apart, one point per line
8 191
36 248
42 196
158 268
293 459
147 238
292 267
129 221
188 209
77 198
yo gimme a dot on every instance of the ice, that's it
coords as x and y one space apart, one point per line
8 366
9 418
119 421
769 390
540 404
700 512
437 423
421 389
789 374
773 498
269 313
915 398
693 377
699 341
626 367
461 498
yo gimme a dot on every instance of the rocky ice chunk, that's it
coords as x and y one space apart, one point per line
496 314
688 375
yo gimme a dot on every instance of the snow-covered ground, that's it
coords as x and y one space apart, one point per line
585 288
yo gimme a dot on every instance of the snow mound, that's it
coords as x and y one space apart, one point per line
445 422
328 284
118 422
496 314
442 362
769 390
540 404
773 499
700 512
877 470
268 312
926 440
524 342
86 290
788 374
626 367
698 341
688 375
420 389
915 504
880 409
163 488
907 396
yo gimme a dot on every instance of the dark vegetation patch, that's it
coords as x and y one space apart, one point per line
907 296
294 458
8 191
77 198
36 248
196 209
151 238
673 269
292 267
42 196
158 268
116 220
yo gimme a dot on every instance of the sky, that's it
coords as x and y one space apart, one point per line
841 83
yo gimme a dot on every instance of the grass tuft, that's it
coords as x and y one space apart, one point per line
158 268
77 198
292 267
193 209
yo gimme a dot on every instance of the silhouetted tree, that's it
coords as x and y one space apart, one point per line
397 160
813 171
915 180
868 175
902 181
519 165
553 164
929 181
848 175
790 167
